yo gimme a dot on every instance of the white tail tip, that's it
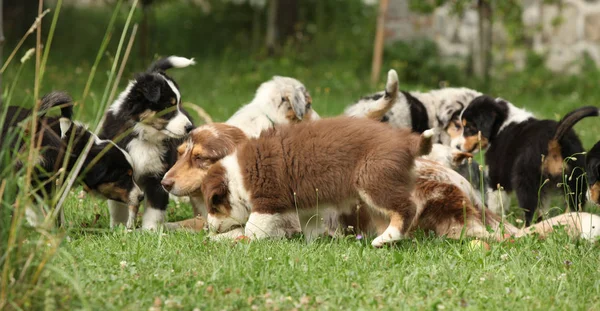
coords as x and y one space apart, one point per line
392 82
181 62
65 125
429 133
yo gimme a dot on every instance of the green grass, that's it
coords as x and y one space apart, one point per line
101 269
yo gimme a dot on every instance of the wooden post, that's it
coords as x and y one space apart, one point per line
379 41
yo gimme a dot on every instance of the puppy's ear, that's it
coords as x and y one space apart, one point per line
458 157
297 101
95 175
150 88
214 188
452 112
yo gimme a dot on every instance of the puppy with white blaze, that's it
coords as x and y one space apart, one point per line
289 171
281 100
148 121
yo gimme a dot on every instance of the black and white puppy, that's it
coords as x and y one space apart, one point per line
107 169
525 154
148 120
417 110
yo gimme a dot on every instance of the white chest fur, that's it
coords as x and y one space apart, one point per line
146 156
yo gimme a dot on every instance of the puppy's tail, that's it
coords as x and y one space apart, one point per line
55 99
423 144
385 103
166 63
554 160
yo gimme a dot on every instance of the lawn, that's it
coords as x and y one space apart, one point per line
101 269
98 268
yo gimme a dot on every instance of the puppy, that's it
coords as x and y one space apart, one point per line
148 121
281 100
516 144
416 110
378 107
107 169
592 169
446 204
289 170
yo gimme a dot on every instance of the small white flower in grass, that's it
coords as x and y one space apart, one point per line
519 221
482 279
504 256
123 264
269 258
200 283
441 307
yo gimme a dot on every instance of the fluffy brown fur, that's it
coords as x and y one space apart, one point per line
447 206
323 162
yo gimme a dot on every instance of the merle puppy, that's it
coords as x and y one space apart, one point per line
148 120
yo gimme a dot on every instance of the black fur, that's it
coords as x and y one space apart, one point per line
149 93
418 113
515 154
592 164
104 163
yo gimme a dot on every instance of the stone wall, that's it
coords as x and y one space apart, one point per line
562 33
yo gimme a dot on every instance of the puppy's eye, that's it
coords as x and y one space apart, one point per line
130 172
200 161
308 106
283 99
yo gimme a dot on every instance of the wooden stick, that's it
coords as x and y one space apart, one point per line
379 41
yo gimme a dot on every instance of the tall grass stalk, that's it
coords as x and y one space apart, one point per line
27 252
79 165
103 46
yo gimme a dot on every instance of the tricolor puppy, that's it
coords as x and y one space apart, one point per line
148 121
592 169
417 110
107 169
516 142
268 182
447 205
390 102
281 100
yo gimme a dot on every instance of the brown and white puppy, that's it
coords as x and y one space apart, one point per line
268 182
447 205
281 100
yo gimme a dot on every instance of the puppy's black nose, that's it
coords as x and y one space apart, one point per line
189 128
167 184
457 146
